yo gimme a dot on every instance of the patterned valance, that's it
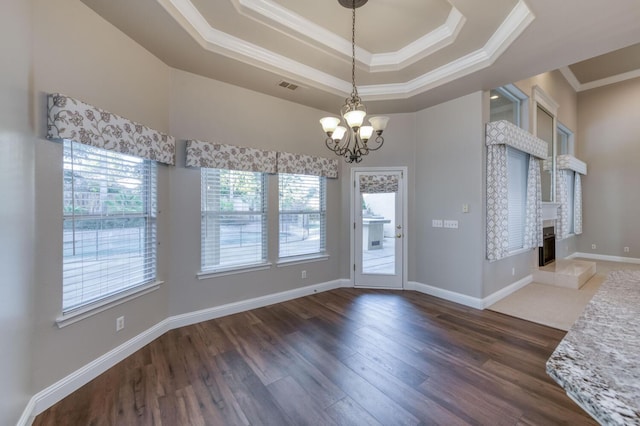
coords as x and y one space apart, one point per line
503 132
569 162
378 184
218 156
566 162
75 120
307 165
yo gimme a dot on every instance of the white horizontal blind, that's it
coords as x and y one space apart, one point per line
302 202
234 219
517 166
570 176
109 225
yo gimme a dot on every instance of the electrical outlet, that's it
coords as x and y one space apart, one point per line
436 223
119 323
626 249
593 246
465 208
304 274
513 271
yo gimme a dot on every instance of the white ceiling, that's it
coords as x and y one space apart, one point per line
411 54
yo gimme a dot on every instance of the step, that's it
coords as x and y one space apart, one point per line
568 273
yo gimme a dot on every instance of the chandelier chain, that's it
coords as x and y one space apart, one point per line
354 91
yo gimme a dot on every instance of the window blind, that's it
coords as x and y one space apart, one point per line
234 219
302 206
109 223
517 166
570 177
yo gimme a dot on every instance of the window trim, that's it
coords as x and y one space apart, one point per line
513 93
91 309
232 270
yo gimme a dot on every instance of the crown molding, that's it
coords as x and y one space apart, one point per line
187 15
570 77
581 87
437 39
516 22
278 17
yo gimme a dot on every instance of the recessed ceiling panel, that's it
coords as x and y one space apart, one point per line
381 25
614 63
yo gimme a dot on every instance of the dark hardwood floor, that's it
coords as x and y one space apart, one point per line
345 357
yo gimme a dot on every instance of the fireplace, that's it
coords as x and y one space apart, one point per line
547 253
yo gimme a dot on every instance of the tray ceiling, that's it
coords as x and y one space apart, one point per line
410 53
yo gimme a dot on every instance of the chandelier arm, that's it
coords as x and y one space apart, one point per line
329 142
379 140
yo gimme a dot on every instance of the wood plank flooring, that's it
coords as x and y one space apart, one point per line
343 357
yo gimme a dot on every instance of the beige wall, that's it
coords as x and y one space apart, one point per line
94 62
16 215
556 86
609 142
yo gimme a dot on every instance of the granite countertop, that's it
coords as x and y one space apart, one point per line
598 361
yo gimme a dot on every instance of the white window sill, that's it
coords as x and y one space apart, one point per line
296 260
519 251
203 275
91 309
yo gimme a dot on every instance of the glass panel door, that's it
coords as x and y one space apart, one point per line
379 229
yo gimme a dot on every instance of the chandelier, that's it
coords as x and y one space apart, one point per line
352 140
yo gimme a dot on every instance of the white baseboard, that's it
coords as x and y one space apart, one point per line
502 293
67 385
463 299
57 391
594 256
245 305
449 295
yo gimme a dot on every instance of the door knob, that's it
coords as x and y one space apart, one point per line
398 235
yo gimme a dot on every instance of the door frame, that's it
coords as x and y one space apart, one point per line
405 219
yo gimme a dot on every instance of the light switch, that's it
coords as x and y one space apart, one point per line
436 223
465 208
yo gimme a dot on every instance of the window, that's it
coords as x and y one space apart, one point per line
302 215
508 103
109 224
564 140
234 219
517 170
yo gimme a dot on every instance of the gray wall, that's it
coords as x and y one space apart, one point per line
448 174
16 215
609 142
94 62
442 147
213 111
